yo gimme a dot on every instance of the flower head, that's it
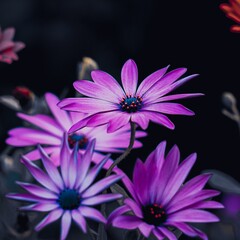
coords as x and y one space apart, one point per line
161 201
51 130
9 48
70 193
232 10
109 103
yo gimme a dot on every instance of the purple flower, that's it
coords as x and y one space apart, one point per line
161 201
9 48
109 104
50 132
70 193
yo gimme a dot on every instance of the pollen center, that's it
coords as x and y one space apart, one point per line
154 214
69 199
79 139
131 104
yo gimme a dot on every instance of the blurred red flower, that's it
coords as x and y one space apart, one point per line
232 10
9 48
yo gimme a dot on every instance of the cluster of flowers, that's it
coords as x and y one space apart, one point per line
77 133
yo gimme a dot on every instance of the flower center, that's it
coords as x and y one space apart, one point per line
154 214
130 104
81 140
69 199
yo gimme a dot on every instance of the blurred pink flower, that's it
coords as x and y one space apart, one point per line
9 48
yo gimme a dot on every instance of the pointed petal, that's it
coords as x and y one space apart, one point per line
51 217
94 90
38 191
134 207
140 119
167 233
176 181
92 213
8 34
160 119
60 115
44 122
150 80
106 80
179 96
84 163
100 199
93 174
87 105
145 229
40 207
192 215
26 197
117 212
51 168
65 224
35 154
79 219
117 121
39 175
127 222
169 108
64 160
129 76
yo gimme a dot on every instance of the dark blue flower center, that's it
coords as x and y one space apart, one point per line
154 214
69 199
131 104
80 139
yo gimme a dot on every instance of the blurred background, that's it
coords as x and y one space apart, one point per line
192 34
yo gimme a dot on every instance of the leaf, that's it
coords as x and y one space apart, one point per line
223 182
118 189
102 235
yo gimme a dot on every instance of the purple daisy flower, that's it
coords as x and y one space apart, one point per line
109 103
70 193
51 129
161 201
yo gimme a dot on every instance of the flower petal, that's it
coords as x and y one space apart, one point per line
141 119
40 207
92 213
179 96
44 122
134 207
192 215
94 90
39 175
61 116
117 121
145 229
38 191
160 119
117 212
167 233
129 76
79 219
65 224
176 181
51 217
127 222
169 108
100 199
150 81
51 168
106 80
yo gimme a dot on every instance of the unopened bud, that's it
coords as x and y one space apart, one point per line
229 100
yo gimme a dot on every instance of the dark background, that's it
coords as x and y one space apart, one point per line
192 34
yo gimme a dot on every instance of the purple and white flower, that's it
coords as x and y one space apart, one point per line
69 194
109 103
50 131
160 199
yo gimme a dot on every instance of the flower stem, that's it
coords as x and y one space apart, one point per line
92 237
128 150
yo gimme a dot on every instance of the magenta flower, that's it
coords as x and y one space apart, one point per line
70 193
9 48
161 201
109 104
51 129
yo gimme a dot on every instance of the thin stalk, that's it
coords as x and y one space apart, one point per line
127 151
90 233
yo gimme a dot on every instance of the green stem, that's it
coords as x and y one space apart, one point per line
127 151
